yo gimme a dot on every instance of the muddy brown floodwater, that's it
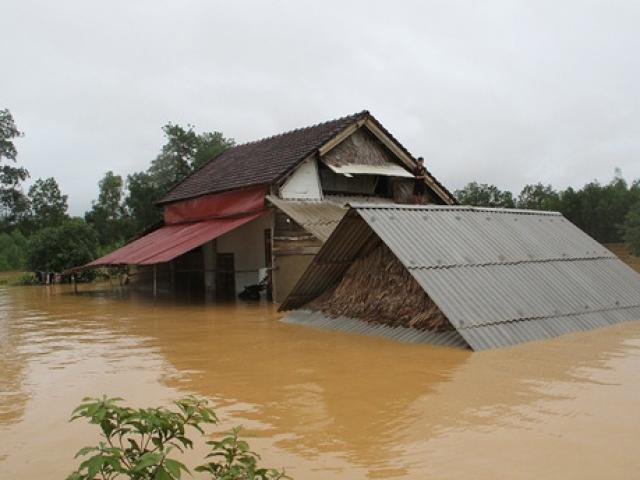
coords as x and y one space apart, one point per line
322 404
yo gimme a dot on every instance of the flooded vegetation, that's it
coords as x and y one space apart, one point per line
322 404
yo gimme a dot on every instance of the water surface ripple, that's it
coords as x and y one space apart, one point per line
322 404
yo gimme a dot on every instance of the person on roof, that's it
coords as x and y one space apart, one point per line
419 185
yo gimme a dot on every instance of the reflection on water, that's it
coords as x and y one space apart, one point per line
323 404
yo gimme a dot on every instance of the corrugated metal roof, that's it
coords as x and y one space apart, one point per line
455 236
500 276
317 217
321 217
171 241
410 335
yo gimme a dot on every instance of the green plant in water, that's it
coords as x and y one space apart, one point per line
25 279
232 459
137 443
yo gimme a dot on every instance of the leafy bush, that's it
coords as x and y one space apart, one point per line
137 443
26 279
234 460
55 249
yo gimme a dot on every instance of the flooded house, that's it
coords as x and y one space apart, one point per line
260 211
473 277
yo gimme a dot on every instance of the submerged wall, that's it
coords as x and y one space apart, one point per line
247 244
293 251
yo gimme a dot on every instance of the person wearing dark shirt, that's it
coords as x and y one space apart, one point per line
419 186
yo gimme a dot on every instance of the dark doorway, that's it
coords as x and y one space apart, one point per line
225 276
189 273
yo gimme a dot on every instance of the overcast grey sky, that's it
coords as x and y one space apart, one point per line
505 92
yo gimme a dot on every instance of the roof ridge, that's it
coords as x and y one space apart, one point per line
309 127
510 262
433 207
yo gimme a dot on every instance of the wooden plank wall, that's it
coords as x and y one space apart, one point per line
293 250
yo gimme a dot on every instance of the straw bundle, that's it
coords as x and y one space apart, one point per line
379 289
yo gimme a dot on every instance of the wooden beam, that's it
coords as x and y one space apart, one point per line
404 158
339 138
391 145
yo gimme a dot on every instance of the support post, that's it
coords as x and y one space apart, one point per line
155 279
75 283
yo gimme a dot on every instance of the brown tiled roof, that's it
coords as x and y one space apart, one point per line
265 161
260 162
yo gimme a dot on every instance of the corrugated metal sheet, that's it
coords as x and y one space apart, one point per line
319 218
501 293
351 325
171 241
457 236
500 276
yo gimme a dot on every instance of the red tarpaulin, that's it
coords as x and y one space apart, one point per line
171 241
227 204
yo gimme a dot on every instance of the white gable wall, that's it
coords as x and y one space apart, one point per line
304 183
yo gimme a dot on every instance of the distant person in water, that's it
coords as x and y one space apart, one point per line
419 186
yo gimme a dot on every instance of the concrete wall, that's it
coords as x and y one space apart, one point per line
247 245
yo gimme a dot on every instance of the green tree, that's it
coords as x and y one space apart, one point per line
600 210
612 208
55 249
174 161
210 145
631 229
13 251
484 195
48 204
183 152
108 214
13 203
538 197
143 192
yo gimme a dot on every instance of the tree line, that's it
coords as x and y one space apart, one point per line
608 212
36 231
38 234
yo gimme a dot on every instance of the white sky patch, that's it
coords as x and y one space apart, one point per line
504 92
